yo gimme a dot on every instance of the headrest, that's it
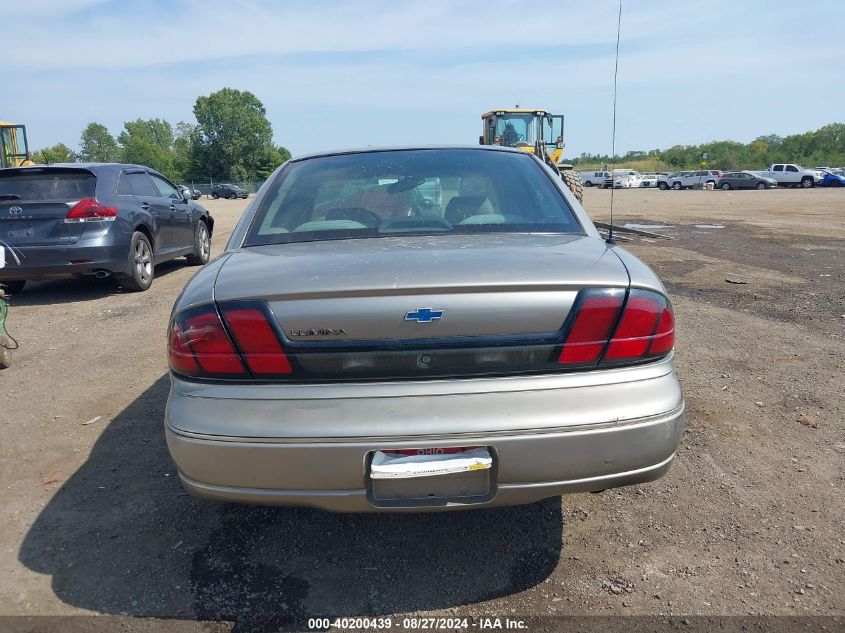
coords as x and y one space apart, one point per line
473 186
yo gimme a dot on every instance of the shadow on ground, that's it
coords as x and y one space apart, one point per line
121 537
82 288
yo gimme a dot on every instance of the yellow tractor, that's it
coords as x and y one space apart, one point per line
14 151
535 131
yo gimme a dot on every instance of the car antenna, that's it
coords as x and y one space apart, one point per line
610 239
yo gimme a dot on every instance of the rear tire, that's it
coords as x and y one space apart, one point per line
761 185
572 179
726 186
214 195
141 267
662 186
677 186
202 246
13 287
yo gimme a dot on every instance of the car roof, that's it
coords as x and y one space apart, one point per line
405 148
94 167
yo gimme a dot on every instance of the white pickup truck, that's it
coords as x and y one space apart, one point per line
791 175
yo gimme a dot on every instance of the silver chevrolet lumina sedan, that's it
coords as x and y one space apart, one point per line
363 345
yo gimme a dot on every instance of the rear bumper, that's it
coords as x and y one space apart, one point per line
44 262
549 435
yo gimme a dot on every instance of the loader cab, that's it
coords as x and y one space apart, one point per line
523 129
14 151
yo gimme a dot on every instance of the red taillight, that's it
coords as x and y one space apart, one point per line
200 346
200 343
645 329
257 341
633 334
89 210
181 357
591 328
664 338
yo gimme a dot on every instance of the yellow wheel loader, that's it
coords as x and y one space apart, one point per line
14 151
535 131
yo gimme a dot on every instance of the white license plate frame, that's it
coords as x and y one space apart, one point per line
474 487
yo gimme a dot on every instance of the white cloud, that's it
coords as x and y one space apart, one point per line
391 72
139 35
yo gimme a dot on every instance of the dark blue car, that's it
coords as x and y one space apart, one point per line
101 219
831 180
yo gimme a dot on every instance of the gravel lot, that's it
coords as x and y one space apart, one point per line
750 520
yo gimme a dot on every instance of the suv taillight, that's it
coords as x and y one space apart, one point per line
89 210
247 345
613 327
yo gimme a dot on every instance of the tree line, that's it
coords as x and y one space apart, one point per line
231 140
823 147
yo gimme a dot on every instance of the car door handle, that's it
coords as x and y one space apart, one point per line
145 206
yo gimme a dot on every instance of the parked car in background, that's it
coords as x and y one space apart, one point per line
664 181
228 191
625 178
831 179
101 219
792 175
745 180
693 179
648 180
594 178
361 353
195 194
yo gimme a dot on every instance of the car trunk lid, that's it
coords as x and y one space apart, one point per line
420 287
34 202
420 306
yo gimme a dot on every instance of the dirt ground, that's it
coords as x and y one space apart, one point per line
750 520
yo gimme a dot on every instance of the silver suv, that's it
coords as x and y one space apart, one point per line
692 179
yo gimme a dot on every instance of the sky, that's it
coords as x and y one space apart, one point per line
336 74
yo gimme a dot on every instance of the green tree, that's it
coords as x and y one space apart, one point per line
149 142
59 153
183 141
156 131
825 146
234 139
676 156
97 145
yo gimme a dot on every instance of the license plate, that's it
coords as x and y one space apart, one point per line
429 462
431 476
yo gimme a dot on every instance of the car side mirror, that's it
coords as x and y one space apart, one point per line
187 194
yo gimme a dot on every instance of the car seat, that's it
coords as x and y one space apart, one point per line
471 199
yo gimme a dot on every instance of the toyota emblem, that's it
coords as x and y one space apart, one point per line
15 210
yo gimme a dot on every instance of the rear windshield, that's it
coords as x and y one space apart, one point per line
374 194
37 184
